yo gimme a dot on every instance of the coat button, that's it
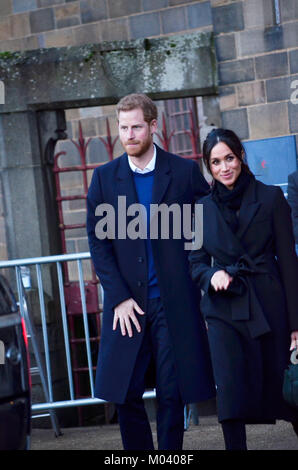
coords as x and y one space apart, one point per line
140 283
140 259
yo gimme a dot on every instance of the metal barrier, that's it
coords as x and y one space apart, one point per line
50 404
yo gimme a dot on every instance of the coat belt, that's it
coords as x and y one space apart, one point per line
245 304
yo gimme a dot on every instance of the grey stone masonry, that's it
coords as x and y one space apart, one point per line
236 71
279 89
182 65
293 61
268 120
293 117
272 65
228 18
225 47
144 25
42 20
236 120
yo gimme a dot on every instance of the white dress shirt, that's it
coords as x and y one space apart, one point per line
149 167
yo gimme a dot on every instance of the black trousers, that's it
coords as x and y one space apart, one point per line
133 420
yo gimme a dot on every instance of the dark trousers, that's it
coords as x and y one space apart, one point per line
234 434
134 424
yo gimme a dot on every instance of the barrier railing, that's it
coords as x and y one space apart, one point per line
50 403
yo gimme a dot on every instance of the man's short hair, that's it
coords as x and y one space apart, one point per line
138 100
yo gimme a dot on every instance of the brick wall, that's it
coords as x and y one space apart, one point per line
30 24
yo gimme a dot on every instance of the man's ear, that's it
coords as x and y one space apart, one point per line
153 126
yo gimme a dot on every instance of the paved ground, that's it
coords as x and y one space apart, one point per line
206 436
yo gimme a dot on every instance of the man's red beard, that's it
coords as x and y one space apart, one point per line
138 149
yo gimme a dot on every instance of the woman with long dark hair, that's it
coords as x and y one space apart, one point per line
248 270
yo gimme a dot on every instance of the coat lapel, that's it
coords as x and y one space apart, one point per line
162 176
248 209
125 181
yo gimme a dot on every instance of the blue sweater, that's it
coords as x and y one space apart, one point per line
144 186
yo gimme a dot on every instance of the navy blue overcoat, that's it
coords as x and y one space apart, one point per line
121 266
249 325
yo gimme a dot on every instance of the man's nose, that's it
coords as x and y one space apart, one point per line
130 133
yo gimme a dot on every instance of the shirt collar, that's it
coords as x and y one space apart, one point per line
149 167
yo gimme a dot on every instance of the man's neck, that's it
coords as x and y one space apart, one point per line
143 160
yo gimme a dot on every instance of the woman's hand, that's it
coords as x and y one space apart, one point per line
221 280
294 340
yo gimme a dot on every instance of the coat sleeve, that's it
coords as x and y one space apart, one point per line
286 256
102 251
200 268
293 201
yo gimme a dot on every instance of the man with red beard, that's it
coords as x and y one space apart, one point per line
150 315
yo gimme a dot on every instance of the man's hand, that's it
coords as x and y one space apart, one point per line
124 312
294 340
221 280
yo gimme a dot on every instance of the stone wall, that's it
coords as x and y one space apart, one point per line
31 24
257 64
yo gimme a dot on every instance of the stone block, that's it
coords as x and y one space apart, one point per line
268 120
251 93
20 25
227 98
255 41
49 3
225 47
93 10
117 8
290 31
258 13
288 10
5 7
42 20
236 71
279 89
67 15
19 6
142 26
173 20
293 55
228 18
236 120
60 38
293 117
114 30
180 2
272 65
87 34
5 28
199 15
154 4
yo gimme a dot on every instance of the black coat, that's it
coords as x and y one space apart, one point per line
293 200
249 325
121 266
